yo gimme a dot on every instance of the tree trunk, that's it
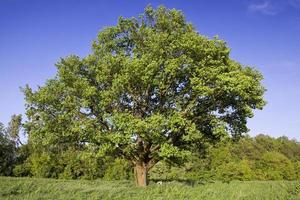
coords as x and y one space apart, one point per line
141 174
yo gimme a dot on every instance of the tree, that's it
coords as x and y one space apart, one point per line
152 89
14 128
9 143
7 152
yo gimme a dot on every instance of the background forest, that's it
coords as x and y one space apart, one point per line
250 158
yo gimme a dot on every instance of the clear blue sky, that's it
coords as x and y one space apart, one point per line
261 33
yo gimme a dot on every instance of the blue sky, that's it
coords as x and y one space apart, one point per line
264 34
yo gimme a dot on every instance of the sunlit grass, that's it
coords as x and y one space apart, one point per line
34 188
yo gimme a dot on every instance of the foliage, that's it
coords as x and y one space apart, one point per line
7 152
80 164
73 164
21 166
118 169
258 158
11 153
14 128
70 164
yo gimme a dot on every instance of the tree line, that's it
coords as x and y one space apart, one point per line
250 158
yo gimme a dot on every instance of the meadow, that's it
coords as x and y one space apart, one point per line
152 94
40 188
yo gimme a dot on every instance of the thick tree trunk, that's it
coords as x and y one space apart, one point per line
141 174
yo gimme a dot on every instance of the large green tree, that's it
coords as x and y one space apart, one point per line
153 88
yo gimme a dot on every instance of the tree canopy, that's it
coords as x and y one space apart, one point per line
152 89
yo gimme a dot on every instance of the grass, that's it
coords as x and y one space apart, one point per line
36 188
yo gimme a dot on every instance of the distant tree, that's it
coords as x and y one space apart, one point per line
7 152
152 89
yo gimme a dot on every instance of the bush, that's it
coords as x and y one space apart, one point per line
118 169
80 164
276 166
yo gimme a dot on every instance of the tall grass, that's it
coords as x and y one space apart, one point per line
34 188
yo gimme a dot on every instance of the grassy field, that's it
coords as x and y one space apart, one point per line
33 188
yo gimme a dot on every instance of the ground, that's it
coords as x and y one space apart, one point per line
36 188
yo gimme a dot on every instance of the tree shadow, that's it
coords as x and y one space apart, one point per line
188 182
